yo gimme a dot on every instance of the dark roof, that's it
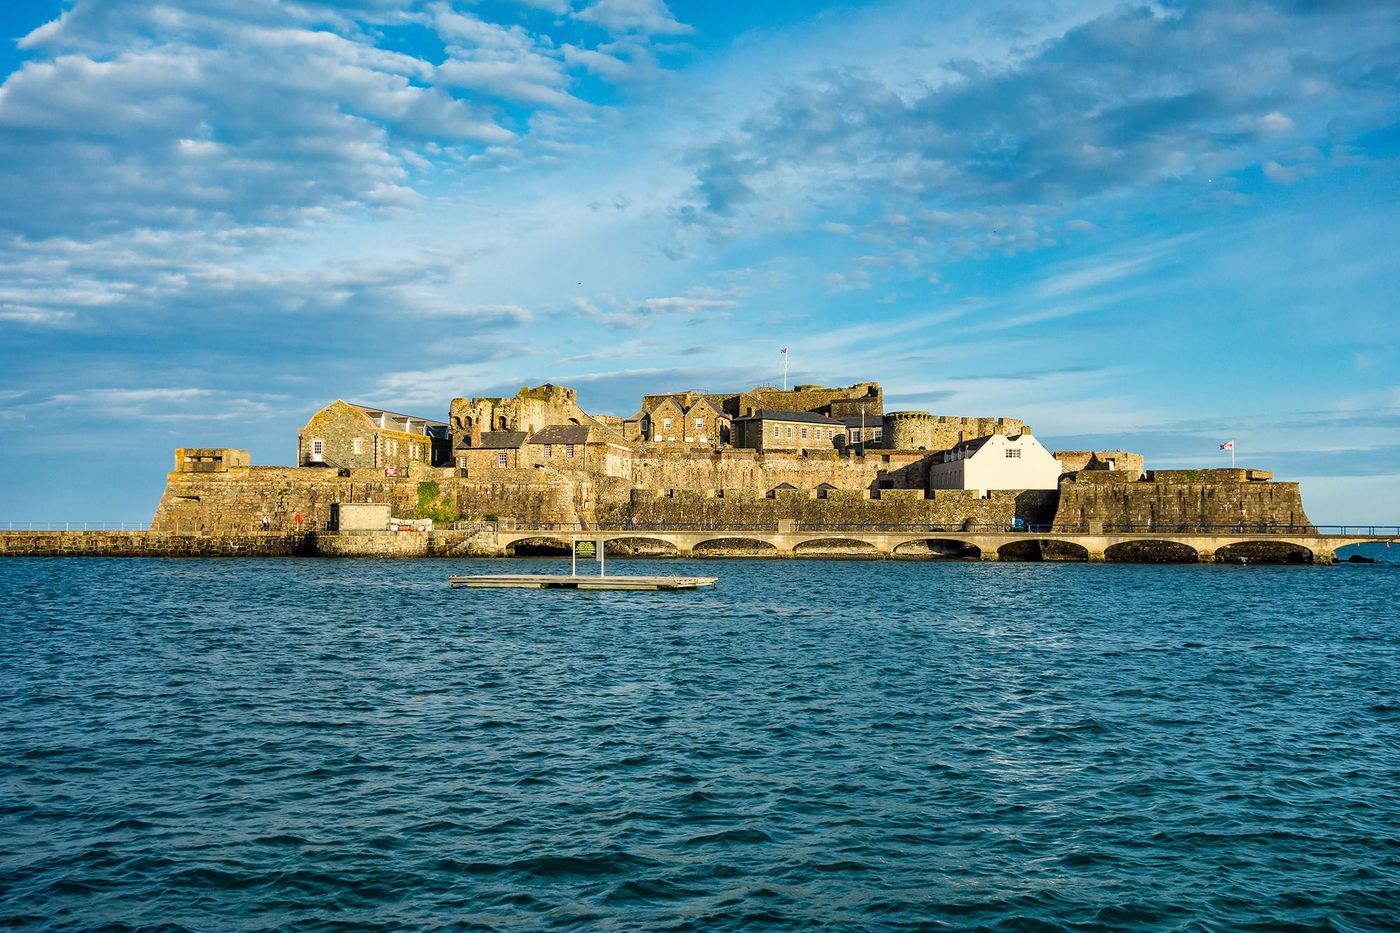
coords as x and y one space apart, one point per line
375 412
494 440
767 414
973 443
869 421
561 434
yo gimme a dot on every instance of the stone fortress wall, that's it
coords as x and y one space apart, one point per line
530 410
1210 498
920 430
216 492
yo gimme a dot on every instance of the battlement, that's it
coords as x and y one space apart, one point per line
922 430
210 459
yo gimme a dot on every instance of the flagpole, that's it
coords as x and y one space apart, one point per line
1232 453
784 369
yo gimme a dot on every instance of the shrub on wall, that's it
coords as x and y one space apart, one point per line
433 504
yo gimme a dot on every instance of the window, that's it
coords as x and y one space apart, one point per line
699 424
549 450
789 431
875 433
777 430
359 445
413 451
665 424
318 450
500 458
1013 454
569 450
804 434
461 463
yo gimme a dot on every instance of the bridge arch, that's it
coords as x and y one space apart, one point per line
734 546
1038 549
640 546
1365 552
1152 552
539 546
835 547
1264 552
937 549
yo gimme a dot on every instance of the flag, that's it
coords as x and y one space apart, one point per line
1228 445
784 349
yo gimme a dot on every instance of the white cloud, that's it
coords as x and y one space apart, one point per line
646 17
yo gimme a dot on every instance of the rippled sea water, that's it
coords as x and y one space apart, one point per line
231 745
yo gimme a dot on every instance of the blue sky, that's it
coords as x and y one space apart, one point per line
1151 226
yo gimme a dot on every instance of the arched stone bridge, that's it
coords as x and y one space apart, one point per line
791 539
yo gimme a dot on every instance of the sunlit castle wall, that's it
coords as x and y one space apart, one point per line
921 430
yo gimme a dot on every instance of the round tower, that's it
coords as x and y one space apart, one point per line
909 430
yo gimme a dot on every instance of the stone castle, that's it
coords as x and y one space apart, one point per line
810 454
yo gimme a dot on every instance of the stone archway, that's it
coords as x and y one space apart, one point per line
1042 549
640 546
1263 552
734 547
938 549
835 547
540 547
1152 552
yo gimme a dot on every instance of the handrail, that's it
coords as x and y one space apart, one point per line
1374 531
1358 531
76 526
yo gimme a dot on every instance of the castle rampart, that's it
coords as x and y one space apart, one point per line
921 430
1194 498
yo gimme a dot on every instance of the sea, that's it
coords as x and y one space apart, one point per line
319 744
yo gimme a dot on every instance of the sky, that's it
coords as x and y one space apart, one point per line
1152 227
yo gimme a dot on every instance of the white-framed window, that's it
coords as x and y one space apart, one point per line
461 463
318 450
699 424
777 430
500 458
413 451
359 445
568 450
549 450
1013 453
875 433
665 424
789 431
804 434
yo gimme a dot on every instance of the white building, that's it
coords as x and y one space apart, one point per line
996 462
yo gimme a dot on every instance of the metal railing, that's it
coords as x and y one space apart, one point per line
1161 528
75 526
644 526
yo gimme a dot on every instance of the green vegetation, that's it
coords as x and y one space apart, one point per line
432 503
1193 475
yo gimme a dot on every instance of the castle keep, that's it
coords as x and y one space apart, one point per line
811 454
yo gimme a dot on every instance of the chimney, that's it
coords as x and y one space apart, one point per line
475 433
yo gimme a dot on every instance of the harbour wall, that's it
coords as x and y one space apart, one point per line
475 543
950 507
150 544
1198 498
